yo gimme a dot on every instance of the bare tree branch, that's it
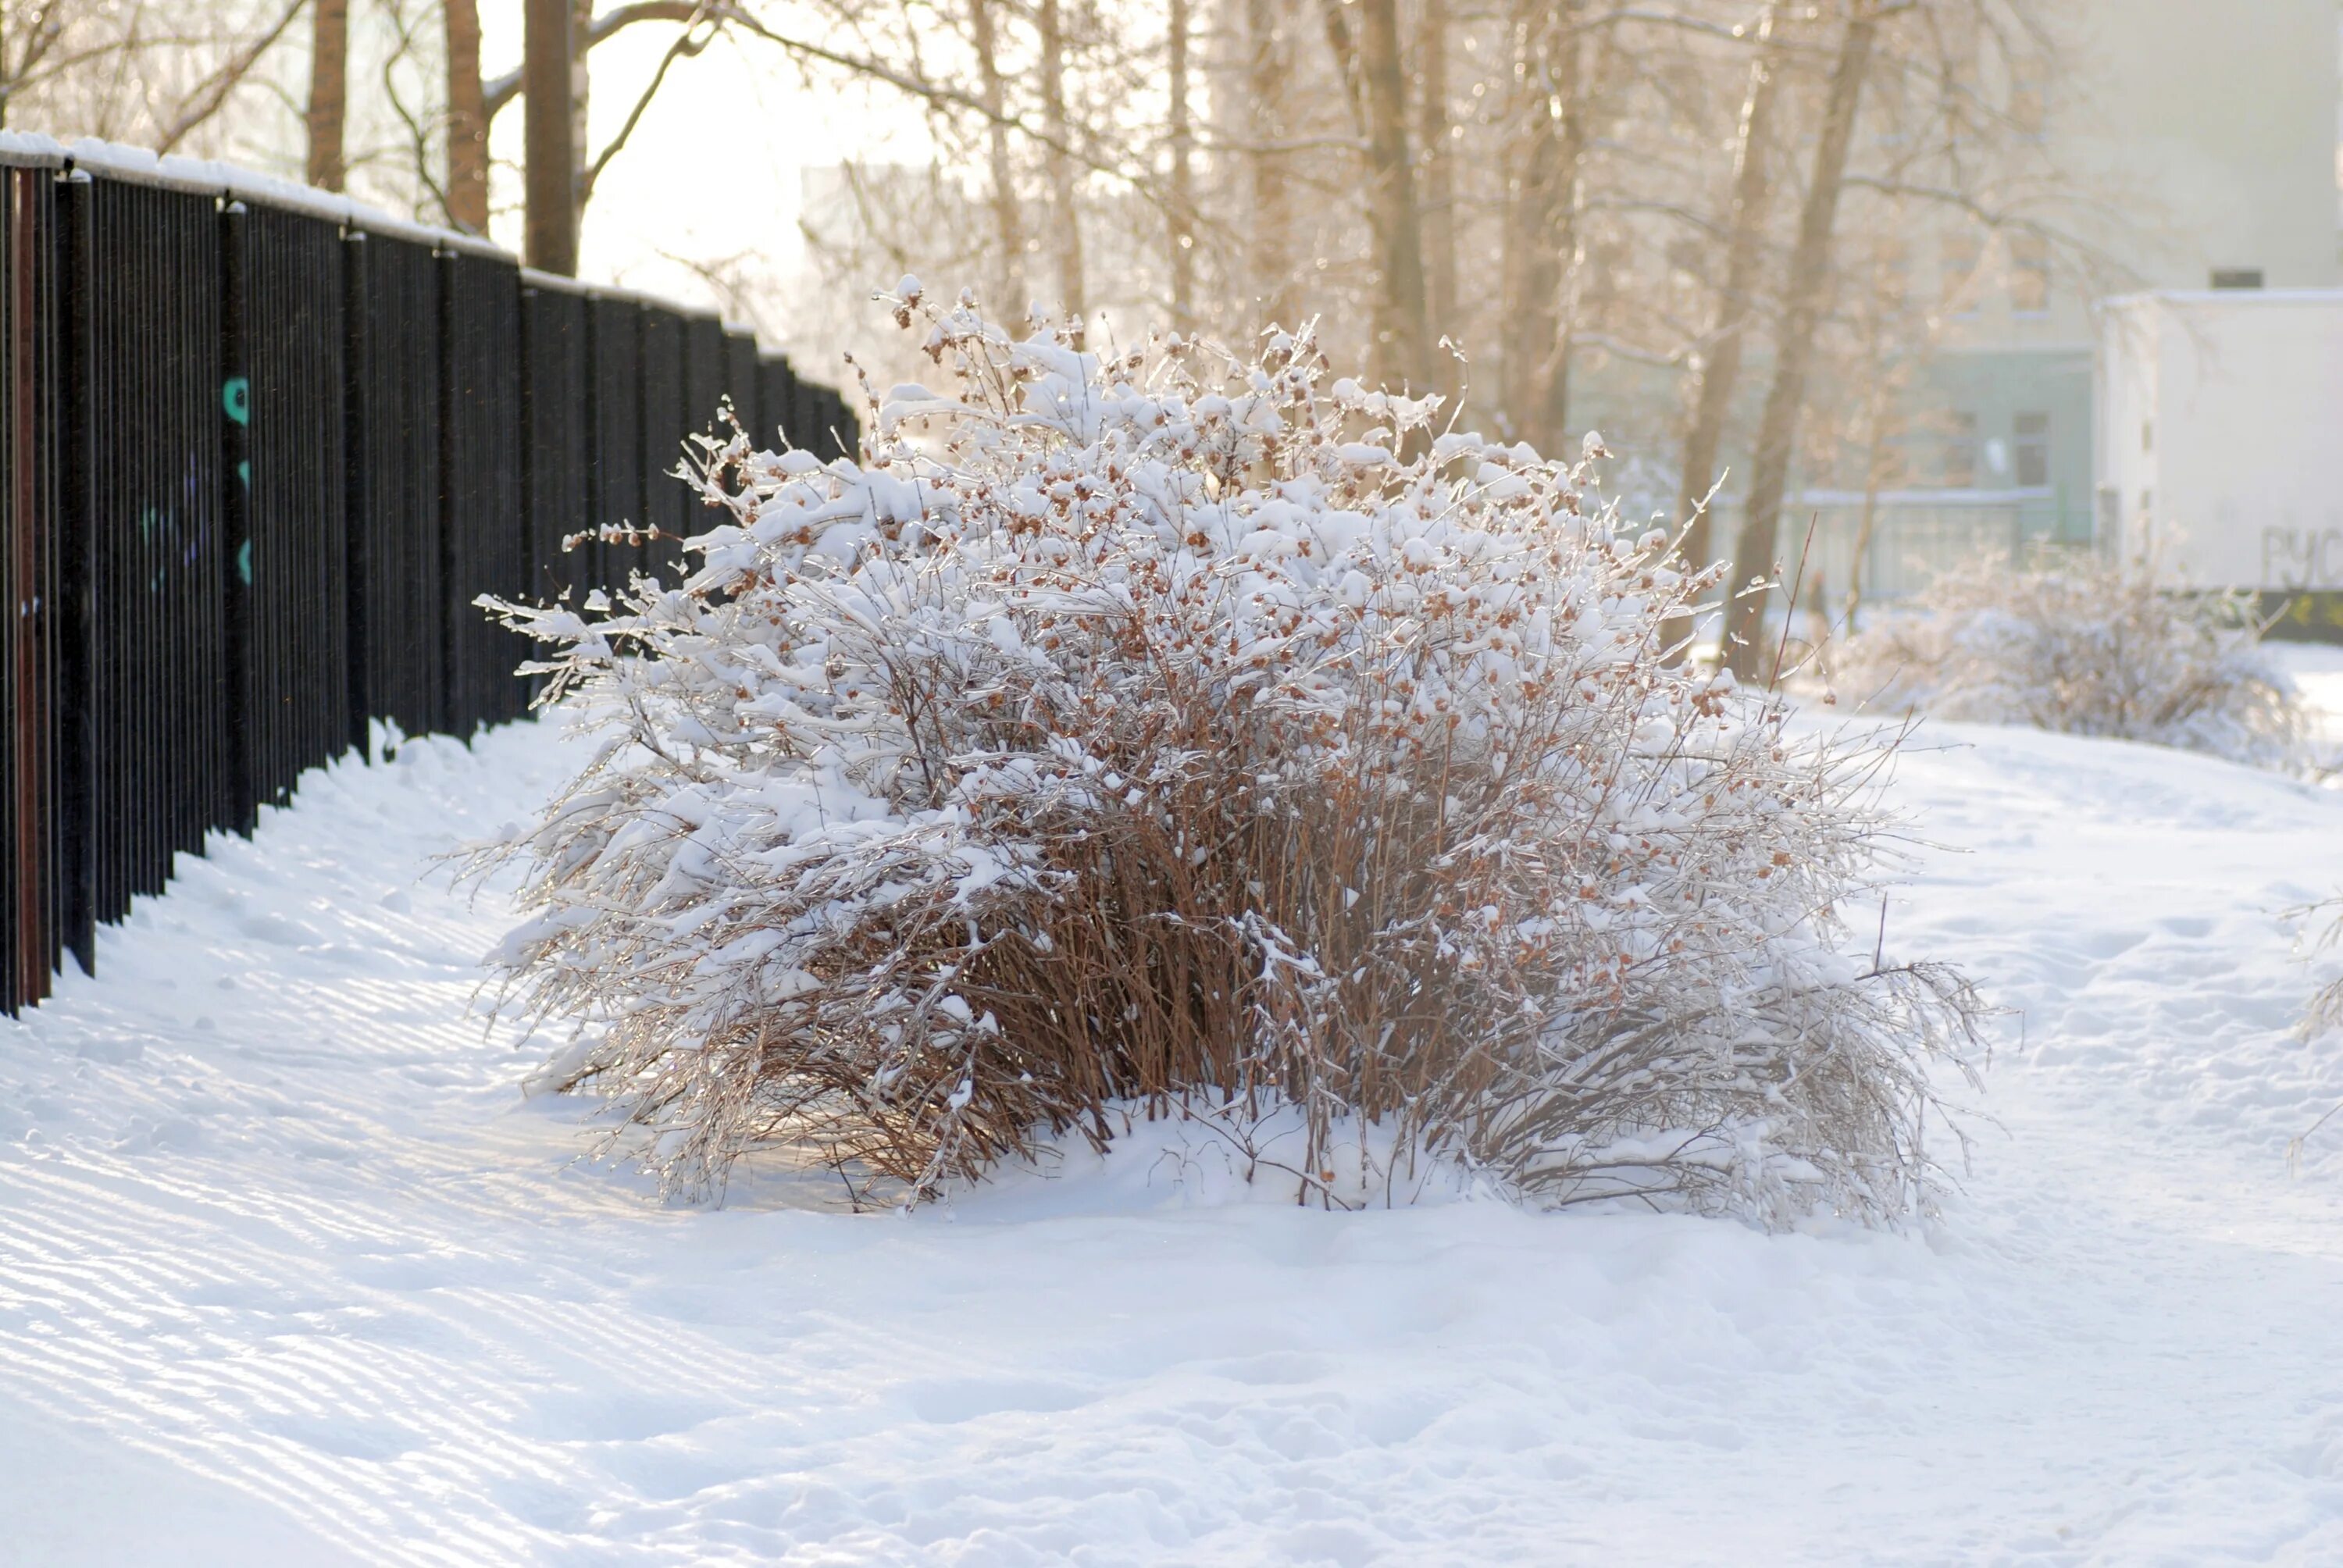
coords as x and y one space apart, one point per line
494 95
684 45
212 94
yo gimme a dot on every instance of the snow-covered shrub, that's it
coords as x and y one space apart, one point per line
1171 730
2086 647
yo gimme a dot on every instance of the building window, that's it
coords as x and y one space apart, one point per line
2029 274
2033 451
2237 278
1960 451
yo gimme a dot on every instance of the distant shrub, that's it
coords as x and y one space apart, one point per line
1172 730
2084 646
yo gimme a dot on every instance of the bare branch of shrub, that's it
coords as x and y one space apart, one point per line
1172 730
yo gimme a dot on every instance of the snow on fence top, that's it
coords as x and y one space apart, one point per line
209 176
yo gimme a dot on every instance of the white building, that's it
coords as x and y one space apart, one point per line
2201 147
2220 440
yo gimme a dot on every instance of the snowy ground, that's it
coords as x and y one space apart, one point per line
291 1272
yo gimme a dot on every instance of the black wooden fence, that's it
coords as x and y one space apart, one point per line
257 460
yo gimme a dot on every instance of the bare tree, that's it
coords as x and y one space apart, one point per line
1718 369
1009 229
1438 207
1806 293
1269 221
1620 160
551 233
1542 238
212 94
151 72
579 30
34 36
467 120
1402 340
1065 217
1183 190
329 65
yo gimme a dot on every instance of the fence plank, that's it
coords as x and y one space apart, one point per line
617 345
484 526
157 392
664 422
398 443
295 568
28 240
76 524
558 445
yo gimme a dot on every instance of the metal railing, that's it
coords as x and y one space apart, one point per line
1918 533
258 456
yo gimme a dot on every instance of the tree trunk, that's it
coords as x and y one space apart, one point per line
551 242
1403 351
1009 300
1720 366
329 63
1439 190
1542 223
1183 195
1270 259
467 121
1882 422
1065 221
1528 277
1807 294
1869 518
1573 87
581 139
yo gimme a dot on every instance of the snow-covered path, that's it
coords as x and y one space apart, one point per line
291 1272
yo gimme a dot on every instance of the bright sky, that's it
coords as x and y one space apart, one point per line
713 168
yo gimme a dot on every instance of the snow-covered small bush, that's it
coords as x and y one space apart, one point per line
2088 647
1177 729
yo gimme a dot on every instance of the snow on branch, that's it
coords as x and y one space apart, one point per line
1178 729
